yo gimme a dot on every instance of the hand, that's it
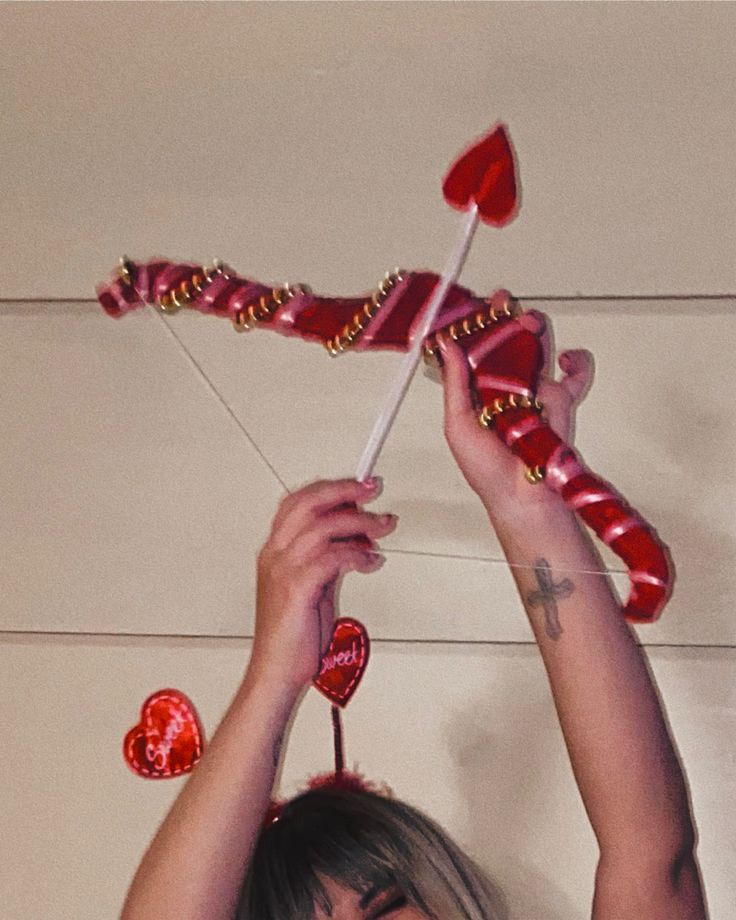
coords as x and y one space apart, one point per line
318 534
488 465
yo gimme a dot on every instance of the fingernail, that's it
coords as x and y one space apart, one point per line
377 559
389 518
373 483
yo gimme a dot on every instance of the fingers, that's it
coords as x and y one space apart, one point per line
341 558
456 377
298 510
578 369
577 365
325 573
342 526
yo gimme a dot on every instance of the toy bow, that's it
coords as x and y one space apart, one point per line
406 313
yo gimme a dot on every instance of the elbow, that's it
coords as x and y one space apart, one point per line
659 889
680 886
682 857
681 846
664 850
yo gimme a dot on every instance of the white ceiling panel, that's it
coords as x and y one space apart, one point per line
137 501
654 424
132 501
308 140
468 734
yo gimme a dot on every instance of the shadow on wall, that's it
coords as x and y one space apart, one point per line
692 442
704 585
509 775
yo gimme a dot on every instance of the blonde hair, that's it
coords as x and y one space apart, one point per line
361 839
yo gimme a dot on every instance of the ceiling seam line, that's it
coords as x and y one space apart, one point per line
386 640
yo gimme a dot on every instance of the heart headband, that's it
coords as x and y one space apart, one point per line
168 740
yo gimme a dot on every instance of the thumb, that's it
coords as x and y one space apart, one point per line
577 366
459 396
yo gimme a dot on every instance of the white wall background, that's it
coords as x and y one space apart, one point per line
141 461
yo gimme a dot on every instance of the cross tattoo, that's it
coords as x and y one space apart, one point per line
547 596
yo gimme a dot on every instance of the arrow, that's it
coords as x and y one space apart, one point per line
481 181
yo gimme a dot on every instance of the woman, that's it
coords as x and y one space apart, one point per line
358 856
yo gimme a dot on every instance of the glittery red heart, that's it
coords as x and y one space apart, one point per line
485 173
345 661
168 740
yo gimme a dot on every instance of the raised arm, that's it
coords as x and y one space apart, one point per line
197 862
625 765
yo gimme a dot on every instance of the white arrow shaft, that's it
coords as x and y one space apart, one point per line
406 371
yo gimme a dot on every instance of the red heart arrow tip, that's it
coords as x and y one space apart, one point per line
485 174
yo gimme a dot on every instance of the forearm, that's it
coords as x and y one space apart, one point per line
195 865
620 749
